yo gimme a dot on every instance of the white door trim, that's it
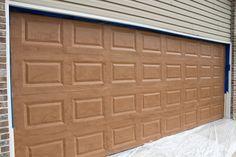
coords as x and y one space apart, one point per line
227 104
9 95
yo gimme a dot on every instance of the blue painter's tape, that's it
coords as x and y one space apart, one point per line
227 68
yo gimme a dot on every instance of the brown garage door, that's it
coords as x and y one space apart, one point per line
85 89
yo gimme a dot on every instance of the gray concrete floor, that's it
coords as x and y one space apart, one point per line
216 139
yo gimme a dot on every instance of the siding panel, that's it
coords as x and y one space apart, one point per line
127 8
169 15
220 4
205 18
187 12
203 5
213 6
197 10
227 2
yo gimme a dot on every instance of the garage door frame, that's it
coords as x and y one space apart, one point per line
67 13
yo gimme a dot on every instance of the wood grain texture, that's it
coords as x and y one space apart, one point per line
84 89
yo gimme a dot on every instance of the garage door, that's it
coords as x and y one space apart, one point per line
87 89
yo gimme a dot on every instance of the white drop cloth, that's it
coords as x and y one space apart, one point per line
216 139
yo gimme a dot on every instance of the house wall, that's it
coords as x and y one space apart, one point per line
4 129
210 19
233 39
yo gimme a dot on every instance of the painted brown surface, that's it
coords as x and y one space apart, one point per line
84 89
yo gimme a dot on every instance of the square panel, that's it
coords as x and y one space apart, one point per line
219 100
191 72
204 114
173 46
173 72
123 39
205 71
172 123
43 31
88 109
173 98
191 49
217 111
191 104
124 104
151 44
205 50
88 73
151 129
218 91
152 101
205 92
88 35
218 51
123 73
123 136
151 72
91 144
191 94
190 118
218 70
39 114
42 73
218 80
47 149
